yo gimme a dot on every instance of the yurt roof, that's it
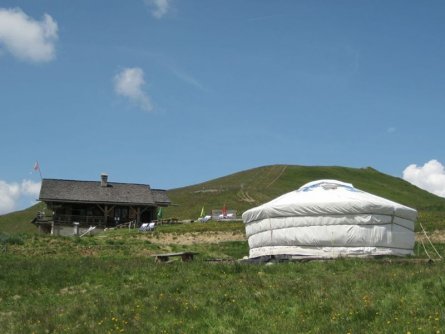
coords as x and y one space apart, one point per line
328 197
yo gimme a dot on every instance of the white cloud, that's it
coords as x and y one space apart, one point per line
26 38
129 83
12 193
158 7
29 187
430 177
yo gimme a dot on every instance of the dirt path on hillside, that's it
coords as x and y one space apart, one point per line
195 238
435 237
216 237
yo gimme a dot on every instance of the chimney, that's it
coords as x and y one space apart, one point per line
103 180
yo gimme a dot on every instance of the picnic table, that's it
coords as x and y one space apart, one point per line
185 256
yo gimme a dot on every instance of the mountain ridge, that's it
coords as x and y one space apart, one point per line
245 189
248 188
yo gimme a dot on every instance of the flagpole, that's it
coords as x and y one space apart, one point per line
37 167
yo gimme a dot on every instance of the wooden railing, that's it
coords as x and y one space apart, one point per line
87 220
82 220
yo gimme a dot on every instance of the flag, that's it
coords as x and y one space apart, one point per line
37 168
159 216
224 210
202 212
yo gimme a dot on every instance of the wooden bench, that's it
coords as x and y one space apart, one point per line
185 256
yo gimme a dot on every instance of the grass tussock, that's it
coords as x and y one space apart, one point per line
98 295
110 283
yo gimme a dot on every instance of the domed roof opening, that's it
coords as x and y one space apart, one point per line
326 185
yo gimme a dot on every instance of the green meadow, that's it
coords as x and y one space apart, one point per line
110 283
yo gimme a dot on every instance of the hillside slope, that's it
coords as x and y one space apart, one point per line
246 189
20 221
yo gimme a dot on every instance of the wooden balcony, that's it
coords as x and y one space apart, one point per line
82 220
70 219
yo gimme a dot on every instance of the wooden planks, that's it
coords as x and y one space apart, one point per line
185 256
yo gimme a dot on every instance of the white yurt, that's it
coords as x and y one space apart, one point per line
328 219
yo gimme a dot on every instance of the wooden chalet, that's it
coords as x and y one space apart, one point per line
96 203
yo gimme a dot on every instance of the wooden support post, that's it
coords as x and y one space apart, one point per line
106 211
100 208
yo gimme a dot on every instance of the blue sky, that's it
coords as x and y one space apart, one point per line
174 92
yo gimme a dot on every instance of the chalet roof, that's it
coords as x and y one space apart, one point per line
160 196
92 192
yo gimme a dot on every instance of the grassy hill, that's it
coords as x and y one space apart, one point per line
20 221
246 189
